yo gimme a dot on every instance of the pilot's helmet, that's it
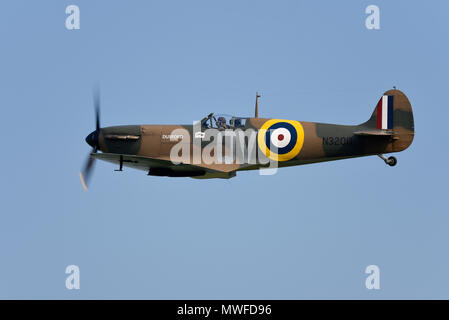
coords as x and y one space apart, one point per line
221 120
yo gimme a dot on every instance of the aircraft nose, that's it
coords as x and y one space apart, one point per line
92 139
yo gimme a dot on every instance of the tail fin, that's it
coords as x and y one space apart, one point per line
393 114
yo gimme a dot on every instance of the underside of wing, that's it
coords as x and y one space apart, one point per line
161 167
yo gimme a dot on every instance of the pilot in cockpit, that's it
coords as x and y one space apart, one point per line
221 123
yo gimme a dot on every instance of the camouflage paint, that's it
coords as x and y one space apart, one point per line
322 142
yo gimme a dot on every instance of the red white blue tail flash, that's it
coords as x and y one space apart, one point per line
385 113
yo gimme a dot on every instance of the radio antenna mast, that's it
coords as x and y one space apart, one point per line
256 113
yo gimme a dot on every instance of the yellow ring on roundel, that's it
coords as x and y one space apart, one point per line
280 157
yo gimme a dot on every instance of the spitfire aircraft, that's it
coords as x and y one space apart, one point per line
283 142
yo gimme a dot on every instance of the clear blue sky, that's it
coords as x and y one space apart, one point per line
306 232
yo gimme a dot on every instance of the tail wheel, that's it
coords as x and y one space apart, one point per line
392 161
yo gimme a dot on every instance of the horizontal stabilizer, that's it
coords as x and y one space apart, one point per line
384 133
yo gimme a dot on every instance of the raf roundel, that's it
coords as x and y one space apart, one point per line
281 140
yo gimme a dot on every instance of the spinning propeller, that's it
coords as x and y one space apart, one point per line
92 140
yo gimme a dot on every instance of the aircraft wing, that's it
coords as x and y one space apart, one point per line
166 167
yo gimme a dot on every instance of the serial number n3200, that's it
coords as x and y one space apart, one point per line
337 141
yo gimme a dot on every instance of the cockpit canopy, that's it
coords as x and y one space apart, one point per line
223 121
